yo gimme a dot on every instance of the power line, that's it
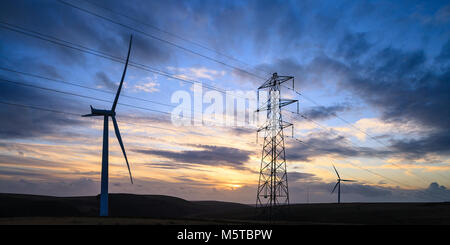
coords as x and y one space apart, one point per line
347 122
98 53
337 116
95 89
79 115
394 164
104 55
111 58
101 54
303 116
102 100
183 48
78 95
173 35
39 108
75 114
159 39
380 175
79 85
116 23
204 56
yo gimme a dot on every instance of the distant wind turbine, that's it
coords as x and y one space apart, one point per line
106 114
338 184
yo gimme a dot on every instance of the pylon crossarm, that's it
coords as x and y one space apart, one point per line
286 124
283 102
262 128
275 80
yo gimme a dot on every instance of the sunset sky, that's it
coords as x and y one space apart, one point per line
375 76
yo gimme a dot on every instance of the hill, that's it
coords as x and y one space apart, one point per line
158 209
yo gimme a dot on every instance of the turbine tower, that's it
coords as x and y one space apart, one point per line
338 184
273 184
106 114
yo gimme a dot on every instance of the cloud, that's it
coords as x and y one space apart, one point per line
240 131
367 190
169 165
28 123
12 161
103 81
404 91
318 144
76 187
208 155
353 45
66 23
149 86
395 82
324 112
298 176
197 73
444 55
438 143
443 14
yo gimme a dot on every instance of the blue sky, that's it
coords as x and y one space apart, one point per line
382 66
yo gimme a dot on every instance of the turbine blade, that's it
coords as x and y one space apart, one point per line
348 180
335 187
336 171
123 77
116 129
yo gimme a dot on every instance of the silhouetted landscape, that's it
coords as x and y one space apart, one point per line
158 209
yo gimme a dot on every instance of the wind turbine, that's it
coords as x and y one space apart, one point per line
106 114
338 184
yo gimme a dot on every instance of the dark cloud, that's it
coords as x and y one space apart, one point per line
404 90
76 187
443 14
208 155
324 112
287 67
366 190
26 122
319 191
353 45
438 143
435 192
444 55
14 160
397 83
329 143
20 172
242 131
169 165
298 176
103 80
48 70
61 21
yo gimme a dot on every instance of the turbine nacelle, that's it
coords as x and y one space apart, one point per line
98 112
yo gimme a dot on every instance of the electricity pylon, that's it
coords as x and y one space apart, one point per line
273 184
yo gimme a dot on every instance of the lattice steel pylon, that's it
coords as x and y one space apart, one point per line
273 183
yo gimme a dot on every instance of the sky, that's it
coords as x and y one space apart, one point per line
374 79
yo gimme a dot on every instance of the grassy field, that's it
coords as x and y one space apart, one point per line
165 210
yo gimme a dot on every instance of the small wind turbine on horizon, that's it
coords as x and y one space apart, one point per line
338 184
106 114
